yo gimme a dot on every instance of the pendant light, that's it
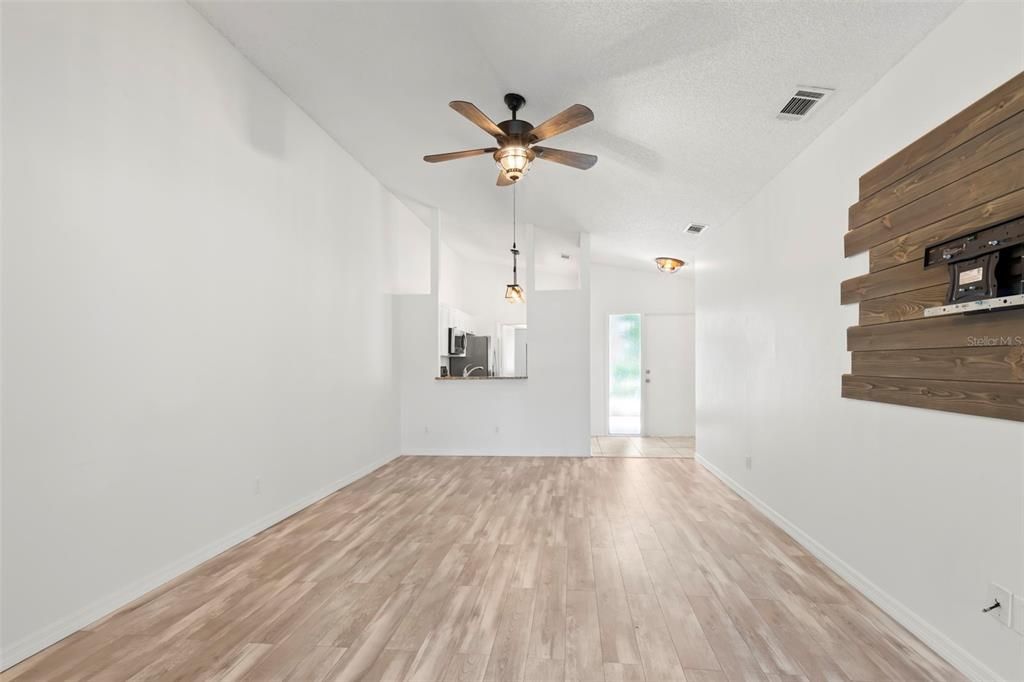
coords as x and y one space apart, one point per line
514 292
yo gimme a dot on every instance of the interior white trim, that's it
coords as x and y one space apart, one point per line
443 452
57 631
956 655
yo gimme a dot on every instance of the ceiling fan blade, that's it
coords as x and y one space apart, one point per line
478 117
451 156
574 159
573 117
503 181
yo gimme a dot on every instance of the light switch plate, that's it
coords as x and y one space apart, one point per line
1004 613
1018 614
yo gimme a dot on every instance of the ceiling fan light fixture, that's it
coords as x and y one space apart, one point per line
514 160
667 264
516 139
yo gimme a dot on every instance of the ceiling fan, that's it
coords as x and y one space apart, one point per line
517 139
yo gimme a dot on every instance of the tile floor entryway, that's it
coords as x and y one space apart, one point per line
642 446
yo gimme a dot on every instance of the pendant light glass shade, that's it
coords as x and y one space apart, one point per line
666 264
514 161
514 294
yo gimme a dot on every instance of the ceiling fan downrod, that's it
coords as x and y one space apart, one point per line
514 102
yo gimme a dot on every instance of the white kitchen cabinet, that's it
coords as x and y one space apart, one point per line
453 317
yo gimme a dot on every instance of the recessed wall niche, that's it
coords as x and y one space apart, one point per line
924 216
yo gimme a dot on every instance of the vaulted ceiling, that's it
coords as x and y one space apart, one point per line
684 93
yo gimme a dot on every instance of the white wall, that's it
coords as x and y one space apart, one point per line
615 291
409 243
920 508
451 291
195 295
545 414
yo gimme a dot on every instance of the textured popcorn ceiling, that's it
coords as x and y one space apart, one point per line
684 95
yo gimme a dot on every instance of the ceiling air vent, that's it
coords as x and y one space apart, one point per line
695 228
805 100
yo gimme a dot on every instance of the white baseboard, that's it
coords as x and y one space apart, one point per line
441 452
71 623
956 655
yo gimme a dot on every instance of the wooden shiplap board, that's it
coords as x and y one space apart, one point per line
906 305
912 246
1005 328
1002 177
991 146
1003 401
964 175
906 277
988 112
1002 364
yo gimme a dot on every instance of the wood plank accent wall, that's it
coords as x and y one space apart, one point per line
966 174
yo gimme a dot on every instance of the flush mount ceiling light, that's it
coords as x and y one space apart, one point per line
514 292
667 264
516 139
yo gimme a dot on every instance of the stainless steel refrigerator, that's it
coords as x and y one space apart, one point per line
477 358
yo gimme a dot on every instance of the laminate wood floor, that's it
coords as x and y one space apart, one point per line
505 569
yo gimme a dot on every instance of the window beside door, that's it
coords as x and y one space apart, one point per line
625 382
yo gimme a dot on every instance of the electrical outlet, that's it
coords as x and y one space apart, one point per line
1018 614
1002 613
497 429
750 463
258 487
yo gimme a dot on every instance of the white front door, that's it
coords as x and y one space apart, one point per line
669 381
